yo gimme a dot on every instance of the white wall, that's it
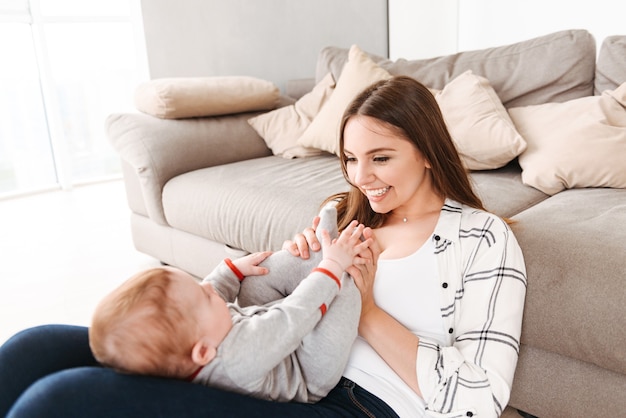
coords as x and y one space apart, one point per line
478 24
276 40
422 28
279 40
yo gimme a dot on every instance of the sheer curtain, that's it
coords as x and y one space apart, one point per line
66 65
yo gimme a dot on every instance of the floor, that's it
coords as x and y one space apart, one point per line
61 252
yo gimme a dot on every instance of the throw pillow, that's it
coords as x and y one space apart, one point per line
187 97
358 73
580 143
282 127
478 123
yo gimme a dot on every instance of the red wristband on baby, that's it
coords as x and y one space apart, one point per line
329 274
234 268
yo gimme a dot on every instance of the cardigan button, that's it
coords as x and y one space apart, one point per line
469 414
444 285
436 237
451 330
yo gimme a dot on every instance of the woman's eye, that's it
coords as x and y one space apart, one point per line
381 159
349 159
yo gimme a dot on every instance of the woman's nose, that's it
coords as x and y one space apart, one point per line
362 174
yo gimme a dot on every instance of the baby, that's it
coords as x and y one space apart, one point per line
163 322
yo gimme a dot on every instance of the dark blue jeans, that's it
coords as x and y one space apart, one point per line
49 371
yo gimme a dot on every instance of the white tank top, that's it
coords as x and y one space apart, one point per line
407 289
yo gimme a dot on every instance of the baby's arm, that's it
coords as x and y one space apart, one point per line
249 264
296 315
227 276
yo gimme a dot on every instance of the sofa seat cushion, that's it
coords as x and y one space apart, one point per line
503 192
252 205
574 245
215 202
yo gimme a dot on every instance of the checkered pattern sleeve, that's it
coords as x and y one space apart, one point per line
483 281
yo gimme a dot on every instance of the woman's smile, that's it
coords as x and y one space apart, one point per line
376 194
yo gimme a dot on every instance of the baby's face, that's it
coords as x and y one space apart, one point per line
210 310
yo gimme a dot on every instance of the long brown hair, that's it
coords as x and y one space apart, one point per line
405 105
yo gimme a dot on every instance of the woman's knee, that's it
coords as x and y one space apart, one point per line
67 342
100 392
66 393
37 352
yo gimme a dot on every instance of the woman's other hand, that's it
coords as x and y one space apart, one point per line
304 241
364 272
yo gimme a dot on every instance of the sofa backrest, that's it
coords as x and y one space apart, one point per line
551 68
611 66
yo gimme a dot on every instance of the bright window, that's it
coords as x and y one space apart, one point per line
68 64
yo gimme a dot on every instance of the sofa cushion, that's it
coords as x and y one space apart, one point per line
282 127
480 126
580 143
216 202
503 192
159 149
512 69
187 97
359 72
611 65
574 245
252 205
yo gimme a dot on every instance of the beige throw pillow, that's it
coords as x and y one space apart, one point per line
478 123
358 73
580 143
187 97
282 127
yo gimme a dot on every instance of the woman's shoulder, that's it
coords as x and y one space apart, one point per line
477 218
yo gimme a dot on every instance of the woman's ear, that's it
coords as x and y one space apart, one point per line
202 353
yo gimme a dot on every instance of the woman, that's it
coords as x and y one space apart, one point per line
442 297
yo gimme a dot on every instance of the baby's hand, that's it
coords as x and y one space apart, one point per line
368 255
346 247
249 264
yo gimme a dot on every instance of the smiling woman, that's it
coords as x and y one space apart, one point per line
68 65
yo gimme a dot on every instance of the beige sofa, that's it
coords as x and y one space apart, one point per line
201 189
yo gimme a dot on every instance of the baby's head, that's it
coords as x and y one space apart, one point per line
159 322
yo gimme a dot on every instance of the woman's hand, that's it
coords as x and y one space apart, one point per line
301 243
364 273
388 337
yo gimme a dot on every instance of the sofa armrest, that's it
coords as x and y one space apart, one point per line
159 149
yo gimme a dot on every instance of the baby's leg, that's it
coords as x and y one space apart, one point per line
286 270
285 274
324 352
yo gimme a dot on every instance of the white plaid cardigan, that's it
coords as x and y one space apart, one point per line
483 283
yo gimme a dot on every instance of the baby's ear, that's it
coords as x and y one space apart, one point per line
202 353
328 221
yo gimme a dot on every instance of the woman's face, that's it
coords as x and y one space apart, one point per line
386 167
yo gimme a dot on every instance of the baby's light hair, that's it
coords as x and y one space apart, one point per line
139 328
